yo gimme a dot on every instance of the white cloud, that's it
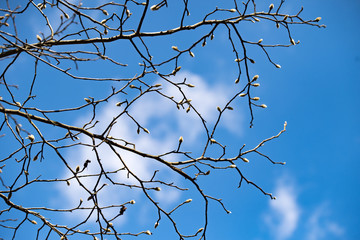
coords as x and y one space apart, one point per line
283 218
166 124
320 225
284 212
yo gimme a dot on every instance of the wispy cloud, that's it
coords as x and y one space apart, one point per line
321 226
284 212
166 124
287 215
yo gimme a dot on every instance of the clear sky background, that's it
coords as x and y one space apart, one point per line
316 91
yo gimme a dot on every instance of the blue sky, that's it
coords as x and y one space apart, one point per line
316 91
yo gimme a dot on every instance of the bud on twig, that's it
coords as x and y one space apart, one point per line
155 7
31 137
271 7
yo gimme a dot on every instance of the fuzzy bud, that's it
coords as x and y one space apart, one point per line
238 60
157 85
157 189
175 48
77 168
232 10
242 94
189 200
255 77
132 202
260 40
118 104
245 160
317 19
232 166
181 139
292 42
87 100
191 54
33 222
105 12
277 65
212 140
156 225
148 232
38 38
219 109
256 84
271 7
263 106
237 81
146 130
256 98
31 137
154 7
200 230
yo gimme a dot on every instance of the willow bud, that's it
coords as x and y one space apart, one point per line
271 7
175 48
154 7
31 137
